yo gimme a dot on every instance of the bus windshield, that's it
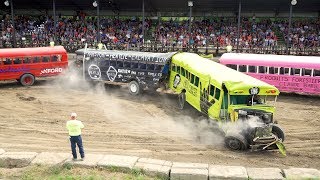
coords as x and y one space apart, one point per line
252 100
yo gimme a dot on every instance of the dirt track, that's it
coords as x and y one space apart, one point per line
33 119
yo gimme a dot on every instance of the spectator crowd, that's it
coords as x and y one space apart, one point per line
78 30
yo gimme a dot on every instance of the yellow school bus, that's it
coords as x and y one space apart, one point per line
226 95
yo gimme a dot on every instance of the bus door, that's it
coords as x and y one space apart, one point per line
214 101
204 96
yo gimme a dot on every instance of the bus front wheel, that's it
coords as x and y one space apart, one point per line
277 131
182 100
134 88
27 80
236 142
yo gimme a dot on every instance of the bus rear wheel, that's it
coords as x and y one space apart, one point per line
236 142
27 80
134 88
182 100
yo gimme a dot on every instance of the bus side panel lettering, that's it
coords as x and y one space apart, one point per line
298 84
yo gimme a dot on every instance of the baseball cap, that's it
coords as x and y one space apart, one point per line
73 114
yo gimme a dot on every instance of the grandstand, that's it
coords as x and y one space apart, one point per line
263 26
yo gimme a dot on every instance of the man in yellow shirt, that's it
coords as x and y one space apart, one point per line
74 127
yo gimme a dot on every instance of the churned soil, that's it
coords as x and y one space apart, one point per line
151 125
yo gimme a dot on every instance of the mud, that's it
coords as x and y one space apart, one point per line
150 125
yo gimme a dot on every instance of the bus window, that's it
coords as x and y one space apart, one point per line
252 69
183 72
196 81
8 61
126 64
173 67
27 60
284 70
296 72
178 69
187 74
35 60
113 63
120 64
243 68
211 90
192 78
217 95
142 66
262 69
54 58
150 67
158 67
45 59
316 73
306 72
134 65
17 61
232 66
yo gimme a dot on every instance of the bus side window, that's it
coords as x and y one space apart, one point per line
211 90
183 72
262 69
316 73
173 68
306 72
158 67
134 65
150 67
232 66
126 64
27 60
178 69
187 75
113 63
295 71
142 66
252 69
196 81
242 68
45 59
17 61
54 58
192 79
120 64
8 61
281 70
217 95
36 60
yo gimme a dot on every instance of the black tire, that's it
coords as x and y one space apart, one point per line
182 100
278 131
27 80
134 88
236 142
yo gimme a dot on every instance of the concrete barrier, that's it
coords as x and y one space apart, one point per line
16 159
265 173
192 171
124 163
91 160
301 173
157 167
154 167
48 158
227 172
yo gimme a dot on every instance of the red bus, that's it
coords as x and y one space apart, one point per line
25 64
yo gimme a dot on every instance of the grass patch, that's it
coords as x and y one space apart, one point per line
69 172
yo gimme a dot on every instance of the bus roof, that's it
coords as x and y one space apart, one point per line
34 51
312 62
160 58
232 79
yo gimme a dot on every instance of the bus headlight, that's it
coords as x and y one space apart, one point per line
267 118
